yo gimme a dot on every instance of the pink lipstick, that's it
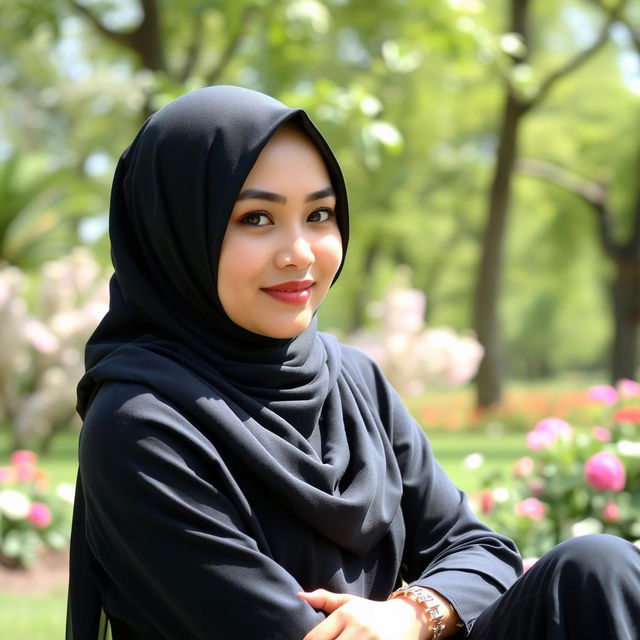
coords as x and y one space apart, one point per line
293 292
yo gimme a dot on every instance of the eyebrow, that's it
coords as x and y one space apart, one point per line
259 194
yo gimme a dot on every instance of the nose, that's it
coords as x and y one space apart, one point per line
296 251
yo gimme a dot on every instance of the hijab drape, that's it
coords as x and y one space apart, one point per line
285 409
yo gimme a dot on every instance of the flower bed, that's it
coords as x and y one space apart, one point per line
33 516
577 479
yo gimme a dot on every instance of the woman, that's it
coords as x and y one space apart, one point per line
241 474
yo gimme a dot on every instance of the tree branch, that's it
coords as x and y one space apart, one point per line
635 36
590 192
193 50
145 40
232 45
123 39
580 58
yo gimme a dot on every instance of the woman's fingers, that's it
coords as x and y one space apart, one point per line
354 618
324 600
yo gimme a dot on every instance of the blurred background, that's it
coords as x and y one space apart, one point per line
492 154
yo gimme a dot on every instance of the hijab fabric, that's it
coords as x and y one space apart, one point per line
284 408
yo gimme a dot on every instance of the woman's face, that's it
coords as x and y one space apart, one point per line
282 247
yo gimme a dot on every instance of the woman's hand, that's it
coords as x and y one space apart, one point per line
354 618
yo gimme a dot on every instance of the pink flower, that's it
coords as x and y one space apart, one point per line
603 393
531 508
25 473
605 472
39 515
23 456
537 440
523 467
611 512
6 474
601 433
628 388
547 432
40 337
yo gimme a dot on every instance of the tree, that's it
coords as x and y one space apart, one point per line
517 104
624 255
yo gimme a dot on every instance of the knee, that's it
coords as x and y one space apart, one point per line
593 555
596 545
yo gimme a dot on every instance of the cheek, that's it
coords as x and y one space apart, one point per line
238 259
330 250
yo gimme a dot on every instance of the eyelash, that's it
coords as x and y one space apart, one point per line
253 214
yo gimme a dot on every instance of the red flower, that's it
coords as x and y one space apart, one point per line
627 414
487 501
611 512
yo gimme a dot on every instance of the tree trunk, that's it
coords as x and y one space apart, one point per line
487 292
486 321
626 310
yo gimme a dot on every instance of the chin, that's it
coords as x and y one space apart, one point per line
286 330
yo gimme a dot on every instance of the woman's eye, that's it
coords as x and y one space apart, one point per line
256 219
320 215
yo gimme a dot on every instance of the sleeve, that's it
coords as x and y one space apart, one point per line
446 548
167 534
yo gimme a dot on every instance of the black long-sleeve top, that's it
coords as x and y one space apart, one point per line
187 543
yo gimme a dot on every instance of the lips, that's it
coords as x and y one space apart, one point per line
292 292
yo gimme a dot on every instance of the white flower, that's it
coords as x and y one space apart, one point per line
40 337
629 448
501 494
14 505
473 461
404 310
585 527
66 492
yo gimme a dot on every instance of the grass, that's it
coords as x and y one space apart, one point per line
34 616
500 451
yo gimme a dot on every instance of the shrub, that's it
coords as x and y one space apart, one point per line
576 480
45 323
411 354
32 516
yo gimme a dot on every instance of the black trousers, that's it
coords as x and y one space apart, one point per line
584 588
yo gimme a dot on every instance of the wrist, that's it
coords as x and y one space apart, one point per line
430 609
415 615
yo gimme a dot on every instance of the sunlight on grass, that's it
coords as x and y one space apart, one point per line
33 616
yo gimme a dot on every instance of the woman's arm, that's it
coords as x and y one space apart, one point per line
169 538
447 549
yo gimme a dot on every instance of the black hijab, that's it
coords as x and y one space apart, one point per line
283 407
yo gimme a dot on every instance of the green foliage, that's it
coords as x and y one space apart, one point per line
37 219
408 95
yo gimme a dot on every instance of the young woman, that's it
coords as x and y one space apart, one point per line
243 476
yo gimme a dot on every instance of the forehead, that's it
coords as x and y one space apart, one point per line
289 157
